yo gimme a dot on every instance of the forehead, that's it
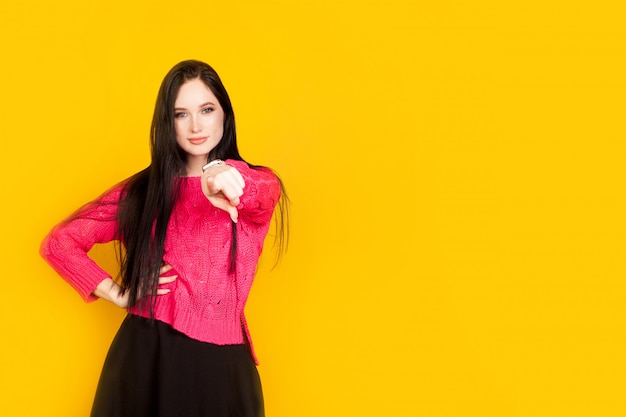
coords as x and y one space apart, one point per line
194 92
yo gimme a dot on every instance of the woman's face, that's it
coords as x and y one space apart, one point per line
199 122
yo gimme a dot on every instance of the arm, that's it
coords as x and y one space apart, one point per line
65 248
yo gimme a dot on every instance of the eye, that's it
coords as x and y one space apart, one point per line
207 110
178 115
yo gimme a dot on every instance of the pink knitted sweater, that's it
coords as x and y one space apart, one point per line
206 302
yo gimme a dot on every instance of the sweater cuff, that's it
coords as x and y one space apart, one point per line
86 288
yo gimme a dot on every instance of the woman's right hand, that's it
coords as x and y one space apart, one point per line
223 185
111 291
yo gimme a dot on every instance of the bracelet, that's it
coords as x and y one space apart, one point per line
213 163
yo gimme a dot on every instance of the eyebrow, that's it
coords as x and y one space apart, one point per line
208 103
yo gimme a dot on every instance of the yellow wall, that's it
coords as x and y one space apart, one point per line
457 177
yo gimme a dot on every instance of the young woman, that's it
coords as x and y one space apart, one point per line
192 227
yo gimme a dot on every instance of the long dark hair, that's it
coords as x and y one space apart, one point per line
148 197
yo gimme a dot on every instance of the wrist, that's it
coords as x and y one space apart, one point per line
213 163
111 291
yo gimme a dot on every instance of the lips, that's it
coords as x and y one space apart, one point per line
198 141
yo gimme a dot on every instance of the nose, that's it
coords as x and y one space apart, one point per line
195 124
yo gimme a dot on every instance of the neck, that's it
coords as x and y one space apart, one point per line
194 166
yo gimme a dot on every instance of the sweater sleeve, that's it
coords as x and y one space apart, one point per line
261 193
65 248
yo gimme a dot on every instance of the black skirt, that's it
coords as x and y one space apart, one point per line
152 370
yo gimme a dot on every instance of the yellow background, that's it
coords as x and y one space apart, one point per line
457 176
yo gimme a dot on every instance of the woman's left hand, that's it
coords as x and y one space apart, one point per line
223 185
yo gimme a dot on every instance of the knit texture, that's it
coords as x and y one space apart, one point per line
206 302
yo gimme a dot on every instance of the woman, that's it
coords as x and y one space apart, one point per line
192 226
